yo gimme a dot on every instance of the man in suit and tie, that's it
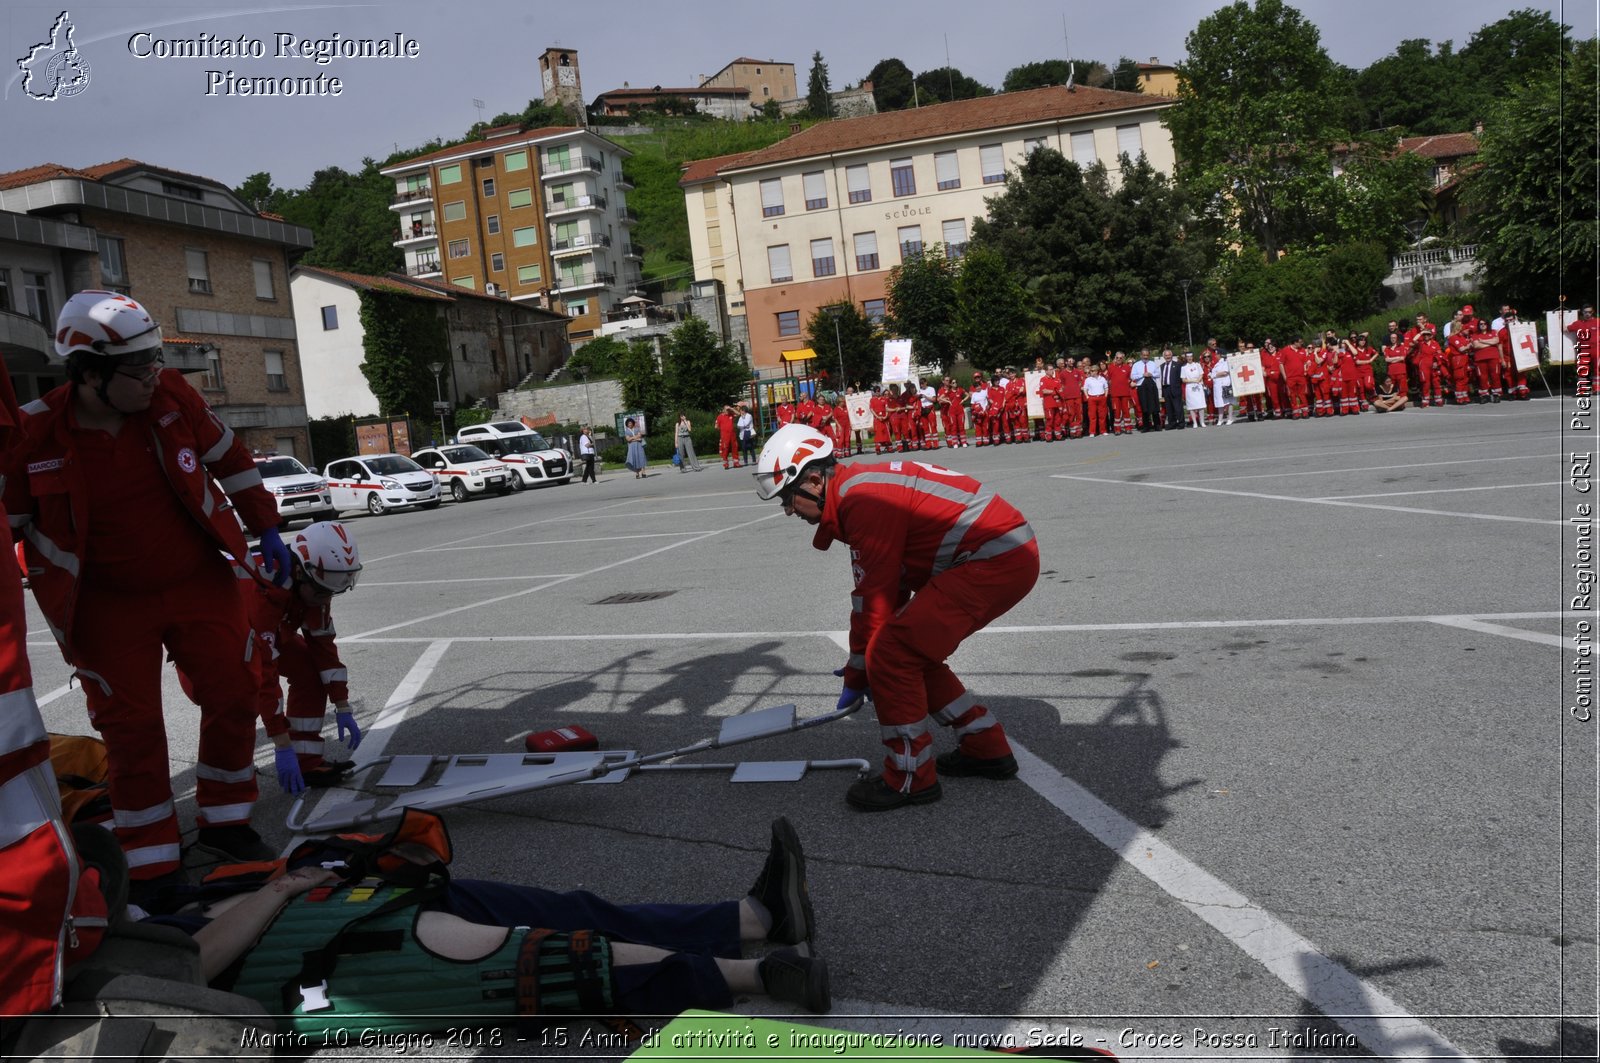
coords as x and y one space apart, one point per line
1172 389
1147 385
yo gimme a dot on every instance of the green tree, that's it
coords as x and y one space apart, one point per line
1257 117
1410 89
946 83
643 386
858 340
992 327
1125 76
350 216
1298 293
260 193
1532 195
401 335
891 85
702 372
819 99
921 301
601 356
1054 72
770 109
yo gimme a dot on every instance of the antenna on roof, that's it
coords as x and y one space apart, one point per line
479 105
1072 68
949 74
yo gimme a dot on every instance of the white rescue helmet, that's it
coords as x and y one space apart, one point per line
326 552
786 455
108 324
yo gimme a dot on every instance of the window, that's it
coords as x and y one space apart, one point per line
416 184
526 236
859 184
5 289
483 161
560 194
910 240
172 188
276 381
816 187
492 223
497 263
330 318
456 211
1129 142
901 179
955 237
284 445
578 309
945 170
771 198
1032 145
113 266
874 310
528 274
1083 152
36 296
992 161
866 251
822 258
558 160
465 282
212 379
449 175
778 266
488 188
519 197
263 272
459 249
566 235
789 323
199 274
514 160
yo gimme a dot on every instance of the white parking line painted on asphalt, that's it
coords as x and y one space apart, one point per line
464 579
1310 501
1470 624
59 692
1451 444
564 542
659 512
485 535
1382 1025
1443 491
1361 468
556 582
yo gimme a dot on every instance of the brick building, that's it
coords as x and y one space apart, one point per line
213 271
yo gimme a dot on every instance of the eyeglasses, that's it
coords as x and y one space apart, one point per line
336 581
136 367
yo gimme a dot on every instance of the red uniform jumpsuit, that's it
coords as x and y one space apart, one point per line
1317 377
845 436
1459 346
1050 396
935 557
1295 364
115 591
999 426
1094 399
1395 358
980 414
1017 409
1512 380
1119 380
880 424
1351 401
295 641
725 441
1425 354
955 414
1274 395
1366 361
1486 360
1586 338
1071 401
784 413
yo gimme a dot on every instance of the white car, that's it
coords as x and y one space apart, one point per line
468 470
533 461
381 482
300 493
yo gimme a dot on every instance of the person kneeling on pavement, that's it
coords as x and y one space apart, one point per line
338 935
935 558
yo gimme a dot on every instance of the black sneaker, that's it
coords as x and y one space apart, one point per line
875 795
781 887
958 764
795 979
237 842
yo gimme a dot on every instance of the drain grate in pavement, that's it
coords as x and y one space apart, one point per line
634 596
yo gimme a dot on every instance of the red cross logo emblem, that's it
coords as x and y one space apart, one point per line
1245 373
895 360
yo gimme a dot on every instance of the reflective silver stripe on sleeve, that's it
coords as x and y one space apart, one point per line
143 817
309 746
20 725
152 854
948 492
321 632
334 675
857 603
84 676
945 556
910 731
217 814
36 407
207 503
17 520
953 711
856 660
982 723
251 477
220 447
305 723
21 812
206 771
1021 535
62 559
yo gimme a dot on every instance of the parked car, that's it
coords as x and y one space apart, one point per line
381 482
533 461
301 494
467 470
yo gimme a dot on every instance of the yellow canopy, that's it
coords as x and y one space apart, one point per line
803 354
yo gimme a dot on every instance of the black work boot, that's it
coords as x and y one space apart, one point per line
237 842
958 764
781 887
795 979
875 795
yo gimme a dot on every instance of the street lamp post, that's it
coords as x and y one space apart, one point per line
1188 326
836 311
583 375
1417 227
438 393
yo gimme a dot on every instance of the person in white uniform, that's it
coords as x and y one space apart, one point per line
1194 390
1222 390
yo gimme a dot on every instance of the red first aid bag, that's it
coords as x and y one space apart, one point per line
563 740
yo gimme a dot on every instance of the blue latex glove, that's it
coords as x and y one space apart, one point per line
276 556
850 695
347 722
289 778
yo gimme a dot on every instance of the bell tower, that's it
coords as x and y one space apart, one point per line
560 81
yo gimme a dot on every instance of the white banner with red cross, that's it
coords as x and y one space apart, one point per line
859 403
1248 379
1035 398
1524 345
1563 348
896 361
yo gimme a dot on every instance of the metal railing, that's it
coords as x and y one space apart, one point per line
1434 256
581 242
629 214
590 279
417 232
425 192
588 201
574 164
422 269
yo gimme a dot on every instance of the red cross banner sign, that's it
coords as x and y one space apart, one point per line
896 361
1035 400
1563 351
859 404
1524 345
1245 367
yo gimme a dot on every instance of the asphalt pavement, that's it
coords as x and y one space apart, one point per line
1298 775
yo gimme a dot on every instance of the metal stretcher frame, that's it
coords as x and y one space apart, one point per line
469 777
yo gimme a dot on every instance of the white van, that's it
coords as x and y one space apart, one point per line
532 460
381 482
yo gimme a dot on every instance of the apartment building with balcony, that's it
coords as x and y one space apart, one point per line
531 215
212 270
823 216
